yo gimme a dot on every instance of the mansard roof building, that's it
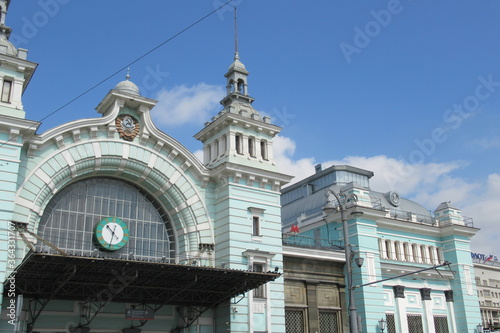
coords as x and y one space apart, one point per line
409 268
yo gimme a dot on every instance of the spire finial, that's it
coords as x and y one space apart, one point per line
236 56
128 74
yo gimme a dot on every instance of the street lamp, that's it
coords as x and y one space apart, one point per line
342 200
480 328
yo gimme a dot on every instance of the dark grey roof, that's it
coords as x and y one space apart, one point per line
311 206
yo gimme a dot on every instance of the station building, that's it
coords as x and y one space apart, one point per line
411 270
109 224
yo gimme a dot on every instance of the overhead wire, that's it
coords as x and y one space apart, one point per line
121 69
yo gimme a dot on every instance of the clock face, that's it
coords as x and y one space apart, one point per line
111 234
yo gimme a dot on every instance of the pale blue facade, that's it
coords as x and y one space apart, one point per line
395 237
213 227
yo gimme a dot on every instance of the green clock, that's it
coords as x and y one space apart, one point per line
111 234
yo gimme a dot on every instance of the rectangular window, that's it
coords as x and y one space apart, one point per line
260 291
251 146
415 323
6 90
441 324
329 322
263 149
239 142
256 225
294 321
391 323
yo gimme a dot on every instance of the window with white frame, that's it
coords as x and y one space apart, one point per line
263 150
260 291
256 215
259 261
6 90
251 146
239 143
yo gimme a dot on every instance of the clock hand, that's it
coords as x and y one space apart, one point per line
112 234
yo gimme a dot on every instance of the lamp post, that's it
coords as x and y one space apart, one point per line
342 200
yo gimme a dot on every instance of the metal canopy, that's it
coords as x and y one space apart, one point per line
45 276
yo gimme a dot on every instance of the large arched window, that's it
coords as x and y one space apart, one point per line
70 219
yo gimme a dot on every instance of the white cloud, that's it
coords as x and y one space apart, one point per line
485 211
283 149
199 155
488 143
182 104
428 184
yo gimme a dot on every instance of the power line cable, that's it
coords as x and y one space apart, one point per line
122 68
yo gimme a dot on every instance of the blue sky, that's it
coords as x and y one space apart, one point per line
407 89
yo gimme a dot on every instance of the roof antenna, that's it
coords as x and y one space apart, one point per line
236 55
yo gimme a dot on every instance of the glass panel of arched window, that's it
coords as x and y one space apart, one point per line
70 219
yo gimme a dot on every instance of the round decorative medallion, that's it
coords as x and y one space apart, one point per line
111 234
393 198
128 127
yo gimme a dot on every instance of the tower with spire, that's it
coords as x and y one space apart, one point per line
238 151
238 133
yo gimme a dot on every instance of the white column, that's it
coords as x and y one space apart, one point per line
244 147
428 319
232 144
270 156
206 154
268 296
392 250
425 254
401 251
436 255
258 153
451 317
400 319
213 150
410 252
381 246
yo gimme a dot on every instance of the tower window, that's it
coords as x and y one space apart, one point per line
239 141
251 146
6 91
263 150
256 225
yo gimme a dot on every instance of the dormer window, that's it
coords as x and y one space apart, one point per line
6 90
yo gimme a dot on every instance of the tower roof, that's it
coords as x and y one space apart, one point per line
128 87
237 65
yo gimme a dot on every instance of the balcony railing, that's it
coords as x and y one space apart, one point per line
313 243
